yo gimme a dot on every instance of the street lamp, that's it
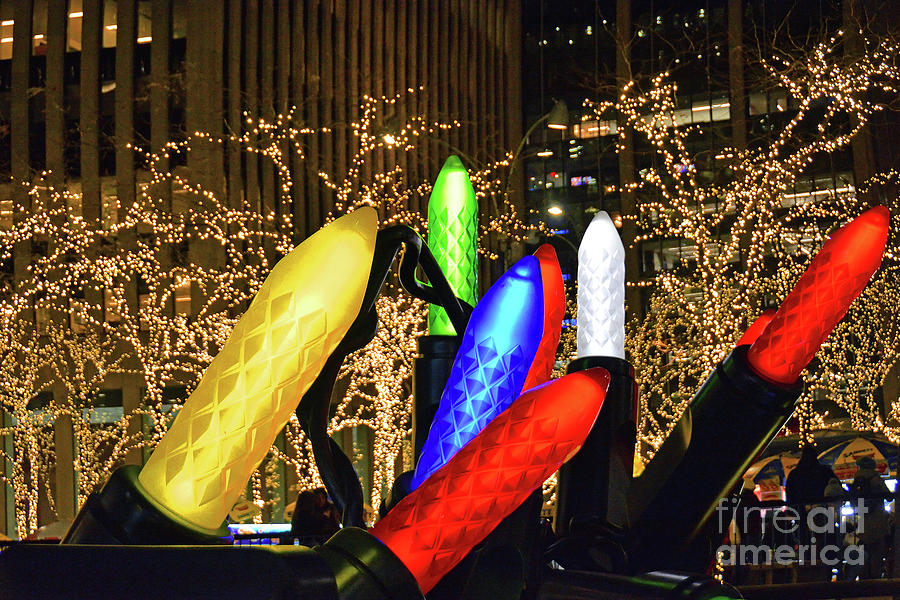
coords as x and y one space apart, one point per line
557 118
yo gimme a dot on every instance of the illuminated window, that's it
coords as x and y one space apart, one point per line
109 212
105 407
772 102
585 129
76 320
716 110
592 129
110 308
182 294
555 179
815 188
6 214
6 39
580 180
778 103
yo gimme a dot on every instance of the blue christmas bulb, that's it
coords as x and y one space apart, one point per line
497 349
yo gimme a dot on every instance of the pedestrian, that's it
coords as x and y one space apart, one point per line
806 483
315 518
869 491
851 570
805 489
834 491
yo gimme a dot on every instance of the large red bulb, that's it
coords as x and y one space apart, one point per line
821 297
757 327
434 527
554 311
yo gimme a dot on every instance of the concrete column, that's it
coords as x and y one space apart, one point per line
131 401
66 480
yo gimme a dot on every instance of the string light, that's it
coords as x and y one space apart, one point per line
150 292
730 230
82 296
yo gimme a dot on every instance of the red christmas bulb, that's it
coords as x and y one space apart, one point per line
821 297
554 311
757 327
433 528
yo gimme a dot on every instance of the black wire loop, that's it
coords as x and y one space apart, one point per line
314 409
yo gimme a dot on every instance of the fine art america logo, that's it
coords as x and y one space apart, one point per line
820 537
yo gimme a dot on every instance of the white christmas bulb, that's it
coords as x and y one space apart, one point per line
601 290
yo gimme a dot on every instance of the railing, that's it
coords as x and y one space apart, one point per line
832 540
837 590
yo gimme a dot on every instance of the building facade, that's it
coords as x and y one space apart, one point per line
82 82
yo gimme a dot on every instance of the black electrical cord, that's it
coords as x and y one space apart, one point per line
313 411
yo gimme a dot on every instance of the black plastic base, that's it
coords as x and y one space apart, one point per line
365 568
430 374
352 565
734 416
124 513
74 572
594 484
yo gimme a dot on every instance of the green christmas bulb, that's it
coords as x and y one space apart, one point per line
453 238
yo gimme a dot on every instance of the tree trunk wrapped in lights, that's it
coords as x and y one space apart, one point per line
714 224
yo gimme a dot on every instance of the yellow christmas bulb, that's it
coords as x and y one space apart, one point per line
301 313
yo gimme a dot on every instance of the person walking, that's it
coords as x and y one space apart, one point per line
869 491
805 489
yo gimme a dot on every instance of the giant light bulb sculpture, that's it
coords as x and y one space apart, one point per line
821 297
247 394
434 527
752 393
404 555
757 327
593 486
601 290
488 385
453 240
493 361
554 311
648 479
